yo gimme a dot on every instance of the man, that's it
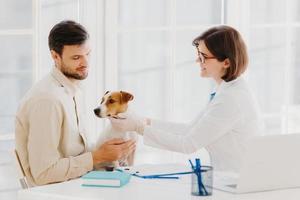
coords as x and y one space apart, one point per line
49 129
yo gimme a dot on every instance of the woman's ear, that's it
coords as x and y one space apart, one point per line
226 63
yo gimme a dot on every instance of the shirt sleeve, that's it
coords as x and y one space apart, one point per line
46 161
178 128
217 119
175 127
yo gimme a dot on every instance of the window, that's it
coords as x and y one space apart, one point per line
16 58
155 59
25 58
149 48
16 37
273 62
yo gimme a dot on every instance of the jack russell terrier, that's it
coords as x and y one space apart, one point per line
114 104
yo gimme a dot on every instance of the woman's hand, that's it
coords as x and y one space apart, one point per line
129 122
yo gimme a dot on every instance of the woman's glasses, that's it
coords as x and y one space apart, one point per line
203 57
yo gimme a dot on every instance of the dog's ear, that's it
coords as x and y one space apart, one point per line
125 97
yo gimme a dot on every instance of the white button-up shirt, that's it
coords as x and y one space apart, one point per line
49 132
223 127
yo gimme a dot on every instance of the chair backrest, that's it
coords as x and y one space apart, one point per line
21 172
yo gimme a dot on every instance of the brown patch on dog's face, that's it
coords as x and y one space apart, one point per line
113 103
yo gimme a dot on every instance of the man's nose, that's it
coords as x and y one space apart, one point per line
84 61
97 111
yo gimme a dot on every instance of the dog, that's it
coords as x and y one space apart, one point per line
114 104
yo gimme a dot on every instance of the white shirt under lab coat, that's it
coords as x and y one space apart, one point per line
223 127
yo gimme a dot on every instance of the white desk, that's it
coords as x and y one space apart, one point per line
143 189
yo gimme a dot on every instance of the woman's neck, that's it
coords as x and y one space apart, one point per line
218 81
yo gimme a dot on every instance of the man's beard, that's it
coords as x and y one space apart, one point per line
68 73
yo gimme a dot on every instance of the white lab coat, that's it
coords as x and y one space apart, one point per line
223 127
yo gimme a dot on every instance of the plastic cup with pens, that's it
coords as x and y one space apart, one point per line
202 179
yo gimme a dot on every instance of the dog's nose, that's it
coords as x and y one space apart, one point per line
97 111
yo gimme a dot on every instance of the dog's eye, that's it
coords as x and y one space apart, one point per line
111 101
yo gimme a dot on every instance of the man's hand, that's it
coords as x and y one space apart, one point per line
113 150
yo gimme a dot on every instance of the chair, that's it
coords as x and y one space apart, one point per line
21 173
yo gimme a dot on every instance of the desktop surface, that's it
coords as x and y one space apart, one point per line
143 189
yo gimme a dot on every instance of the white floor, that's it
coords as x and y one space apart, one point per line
9 184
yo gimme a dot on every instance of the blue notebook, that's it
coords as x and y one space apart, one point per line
105 179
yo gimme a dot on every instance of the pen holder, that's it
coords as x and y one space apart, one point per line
202 181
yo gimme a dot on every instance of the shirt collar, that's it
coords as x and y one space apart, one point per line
225 85
70 87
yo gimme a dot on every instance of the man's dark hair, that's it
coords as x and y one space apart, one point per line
66 33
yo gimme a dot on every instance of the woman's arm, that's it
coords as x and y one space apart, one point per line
216 121
171 127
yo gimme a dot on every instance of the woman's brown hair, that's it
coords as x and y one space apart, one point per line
226 42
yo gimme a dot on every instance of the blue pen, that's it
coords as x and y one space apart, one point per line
171 174
201 186
154 176
151 176
193 167
160 176
198 173
164 175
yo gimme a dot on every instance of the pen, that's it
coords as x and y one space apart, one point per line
171 174
200 183
198 173
193 167
160 177
167 176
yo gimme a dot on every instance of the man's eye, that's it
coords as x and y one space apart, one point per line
111 101
76 57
